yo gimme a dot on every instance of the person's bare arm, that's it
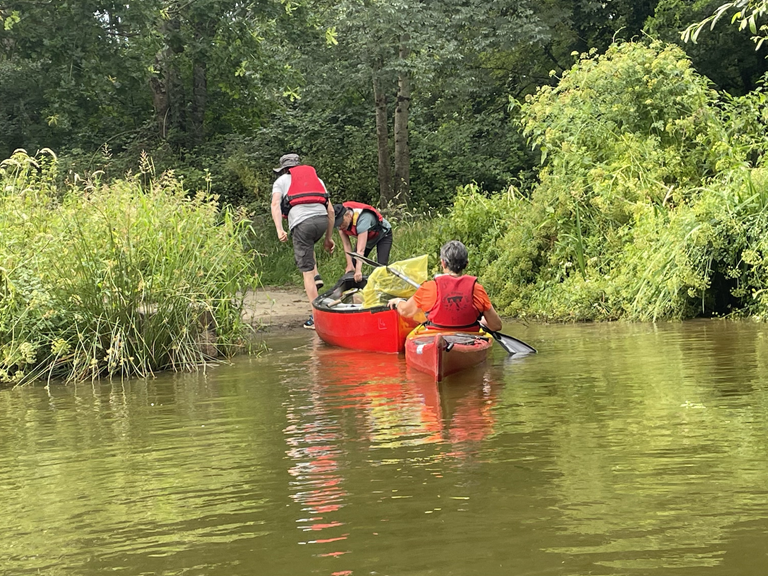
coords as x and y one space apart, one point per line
491 319
362 239
347 248
277 216
406 308
329 244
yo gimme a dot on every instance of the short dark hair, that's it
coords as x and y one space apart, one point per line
455 256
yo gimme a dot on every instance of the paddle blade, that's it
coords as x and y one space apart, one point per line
364 259
510 344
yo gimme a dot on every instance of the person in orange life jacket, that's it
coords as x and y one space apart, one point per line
452 300
301 196
370 228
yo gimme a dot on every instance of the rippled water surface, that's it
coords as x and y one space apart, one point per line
619 449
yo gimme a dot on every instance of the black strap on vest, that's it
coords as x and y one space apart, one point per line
475 323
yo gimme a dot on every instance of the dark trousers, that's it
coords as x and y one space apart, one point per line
383 248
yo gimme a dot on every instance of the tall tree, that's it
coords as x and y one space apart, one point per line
746 65
82 66
102 69
750 14
402 149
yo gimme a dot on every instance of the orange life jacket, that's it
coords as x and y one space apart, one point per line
357 210
305 188
455 308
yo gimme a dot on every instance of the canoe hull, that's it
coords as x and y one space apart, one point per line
441 354
374 330
370 329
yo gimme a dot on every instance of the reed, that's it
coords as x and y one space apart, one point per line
121 279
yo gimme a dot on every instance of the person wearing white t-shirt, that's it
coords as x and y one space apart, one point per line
302 197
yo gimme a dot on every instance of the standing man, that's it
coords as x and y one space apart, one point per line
301 197
370 228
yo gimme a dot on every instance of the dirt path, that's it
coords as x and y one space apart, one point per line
276 307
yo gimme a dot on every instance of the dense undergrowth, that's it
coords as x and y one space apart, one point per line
652 201
126 278
651 204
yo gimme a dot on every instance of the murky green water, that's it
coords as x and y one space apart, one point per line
619 449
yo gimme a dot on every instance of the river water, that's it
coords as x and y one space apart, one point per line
618 449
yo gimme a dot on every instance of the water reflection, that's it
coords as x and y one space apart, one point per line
345 397
620 449
390 405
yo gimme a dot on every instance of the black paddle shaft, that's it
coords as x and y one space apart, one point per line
392 271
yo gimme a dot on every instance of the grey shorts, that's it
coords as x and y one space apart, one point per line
305 235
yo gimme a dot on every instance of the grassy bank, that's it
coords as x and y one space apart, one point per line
126 278
652 201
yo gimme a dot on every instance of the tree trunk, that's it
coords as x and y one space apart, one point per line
199 97
167 91
160 103
382 140
402 152
177 102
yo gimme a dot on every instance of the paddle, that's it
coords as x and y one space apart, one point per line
510 344
390 270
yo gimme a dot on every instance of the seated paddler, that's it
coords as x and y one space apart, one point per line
453 300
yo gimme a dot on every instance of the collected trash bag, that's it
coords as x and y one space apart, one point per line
382 285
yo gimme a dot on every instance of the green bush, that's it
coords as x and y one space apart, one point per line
651 202
126 278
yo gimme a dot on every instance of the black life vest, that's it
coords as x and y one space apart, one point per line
455 308
305 188
357 210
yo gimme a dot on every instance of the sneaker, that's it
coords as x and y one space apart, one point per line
310 324
319 282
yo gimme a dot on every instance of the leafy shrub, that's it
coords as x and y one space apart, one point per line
651 202
125 278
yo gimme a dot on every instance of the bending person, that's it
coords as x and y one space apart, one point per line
453 300
370 229
301 197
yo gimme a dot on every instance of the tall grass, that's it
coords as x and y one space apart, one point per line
127 278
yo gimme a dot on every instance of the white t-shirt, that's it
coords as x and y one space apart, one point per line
300 212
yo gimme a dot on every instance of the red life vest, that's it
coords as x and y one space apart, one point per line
455 306
357 209
305 188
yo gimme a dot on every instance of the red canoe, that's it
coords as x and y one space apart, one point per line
441 354
376 329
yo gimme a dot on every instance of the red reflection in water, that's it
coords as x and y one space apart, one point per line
396 404
390 406
462 404
376 388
